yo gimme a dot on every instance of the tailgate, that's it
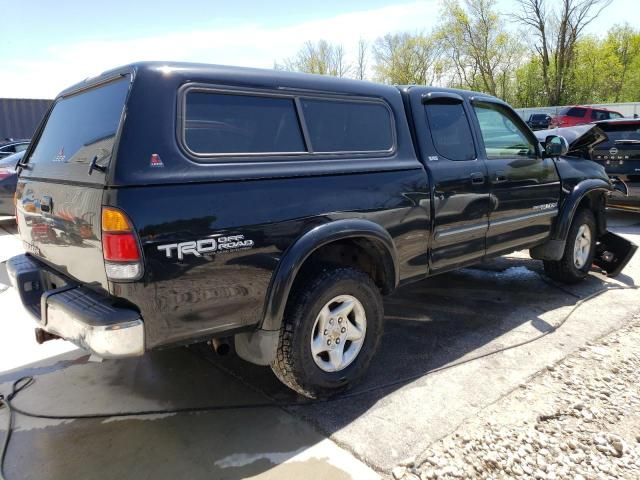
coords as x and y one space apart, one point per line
60 224
619 153
60 188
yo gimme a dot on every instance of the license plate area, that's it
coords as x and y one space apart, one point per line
34 283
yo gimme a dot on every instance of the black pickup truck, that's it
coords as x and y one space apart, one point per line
165 204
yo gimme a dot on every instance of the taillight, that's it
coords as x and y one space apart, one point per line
4 173
120 248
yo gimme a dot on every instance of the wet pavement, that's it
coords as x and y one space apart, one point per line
399 411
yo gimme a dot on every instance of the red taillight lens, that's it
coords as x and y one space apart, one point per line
120 247
4 173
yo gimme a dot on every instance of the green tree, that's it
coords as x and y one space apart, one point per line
623 45
405 58
528 87
482 54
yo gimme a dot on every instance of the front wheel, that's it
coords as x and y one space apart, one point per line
331 330
579 250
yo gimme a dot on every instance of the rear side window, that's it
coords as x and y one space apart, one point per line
233 124
599 115
450 131
537 117
79 129
573 112
337 126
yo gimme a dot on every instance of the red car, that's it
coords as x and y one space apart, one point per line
578 115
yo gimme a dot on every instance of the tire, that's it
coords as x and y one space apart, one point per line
574 266
308 373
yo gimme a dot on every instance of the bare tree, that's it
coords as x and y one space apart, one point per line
405 58
362 59
321 57
556 33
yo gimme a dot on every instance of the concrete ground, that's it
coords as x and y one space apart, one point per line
429 325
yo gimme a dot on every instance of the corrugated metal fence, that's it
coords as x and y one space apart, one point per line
19 117
626 109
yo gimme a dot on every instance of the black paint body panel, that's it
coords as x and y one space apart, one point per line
424 216
200 297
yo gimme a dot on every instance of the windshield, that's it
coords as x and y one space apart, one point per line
81 128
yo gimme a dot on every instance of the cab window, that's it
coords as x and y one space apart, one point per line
502 136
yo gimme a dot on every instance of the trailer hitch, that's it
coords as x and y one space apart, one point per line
613 252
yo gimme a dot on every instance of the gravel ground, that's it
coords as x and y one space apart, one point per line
578 419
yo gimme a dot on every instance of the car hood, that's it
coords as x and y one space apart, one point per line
576 166
12 160
580 138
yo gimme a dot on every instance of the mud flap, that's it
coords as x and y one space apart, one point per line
613 253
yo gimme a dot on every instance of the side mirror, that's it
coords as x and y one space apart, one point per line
555 146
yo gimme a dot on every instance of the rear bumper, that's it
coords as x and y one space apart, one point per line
76 313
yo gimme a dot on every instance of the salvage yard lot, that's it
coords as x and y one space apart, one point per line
429 325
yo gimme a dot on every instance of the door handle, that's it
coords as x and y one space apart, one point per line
477 178
500 177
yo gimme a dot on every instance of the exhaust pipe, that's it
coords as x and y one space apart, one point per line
221 346
44 336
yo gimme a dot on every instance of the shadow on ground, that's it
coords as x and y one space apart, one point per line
428 325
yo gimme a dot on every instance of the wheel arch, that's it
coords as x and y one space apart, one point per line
335 239
589 194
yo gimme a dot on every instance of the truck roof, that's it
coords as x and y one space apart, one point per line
258 77
262 77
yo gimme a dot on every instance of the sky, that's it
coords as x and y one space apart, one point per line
47 45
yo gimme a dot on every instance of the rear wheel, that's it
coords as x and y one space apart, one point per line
331 330
579 250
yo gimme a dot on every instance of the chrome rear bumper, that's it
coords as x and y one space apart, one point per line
76 313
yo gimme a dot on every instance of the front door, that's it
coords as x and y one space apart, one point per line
524 186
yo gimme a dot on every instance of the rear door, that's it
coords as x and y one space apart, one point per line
59 197
524 186
459 179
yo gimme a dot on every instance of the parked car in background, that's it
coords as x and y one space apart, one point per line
614 144
8 180
579 115
10 146
619 153
539 121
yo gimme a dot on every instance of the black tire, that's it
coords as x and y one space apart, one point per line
294 364
565 270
